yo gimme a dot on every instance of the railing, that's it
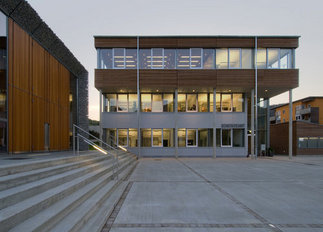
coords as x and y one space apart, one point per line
76 146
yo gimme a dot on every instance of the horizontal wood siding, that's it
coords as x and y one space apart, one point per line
158 78
197 78
38 93
281 78
196 41
106 79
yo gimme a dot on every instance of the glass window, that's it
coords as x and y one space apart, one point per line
218 137
157 103
119 58
226 103
237 102
168 138
181 98
205 137
146 102
320 145
196 57
131 58
191 103
122 102
234 56
238 137
218 102
122 137
208 58
111 101
211 102
273 57
105 58
312 142
168 102
202 102
221 58
183 59
145 58
181 134
169 58
133 101
285 58
111 137
226 138
157 137
302 142
146 137
191 137
247 58
261 58
157 60
133 137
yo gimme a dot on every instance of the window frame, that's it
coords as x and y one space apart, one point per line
124 58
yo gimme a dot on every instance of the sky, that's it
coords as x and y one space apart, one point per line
75 22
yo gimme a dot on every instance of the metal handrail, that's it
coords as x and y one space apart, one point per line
78 135
105 152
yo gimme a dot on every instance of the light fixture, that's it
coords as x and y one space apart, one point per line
157 90
193 90
229 90
266 90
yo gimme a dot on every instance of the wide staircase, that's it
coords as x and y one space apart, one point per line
70 193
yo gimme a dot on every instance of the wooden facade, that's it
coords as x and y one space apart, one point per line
38 93
279 137
196 41
270 82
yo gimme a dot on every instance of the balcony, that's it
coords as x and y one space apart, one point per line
305 111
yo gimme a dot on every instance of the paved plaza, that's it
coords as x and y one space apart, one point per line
222 195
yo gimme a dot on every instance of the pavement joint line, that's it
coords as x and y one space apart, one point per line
235 200
110 221
212 225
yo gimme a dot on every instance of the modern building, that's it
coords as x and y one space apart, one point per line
43 86
191 95
307 120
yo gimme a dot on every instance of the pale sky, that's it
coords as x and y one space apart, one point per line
75 22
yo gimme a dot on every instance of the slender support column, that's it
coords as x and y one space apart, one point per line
138 100
214 123
268 125
256 100
290 124
73 139
176 127
100 118
252 141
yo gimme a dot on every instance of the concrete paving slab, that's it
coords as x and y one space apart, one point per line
178 202
166 169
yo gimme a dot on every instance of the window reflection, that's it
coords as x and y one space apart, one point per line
157 60
237 101
226 138
183 59
131 58
181 135
234 54
285 58
169 58
122 103
247 58
221 58
133 138
208 58
122 137
168 138
157 137
261 58
181 98
119 58
146 137
273 58
157 103
145 62
196 57
168 102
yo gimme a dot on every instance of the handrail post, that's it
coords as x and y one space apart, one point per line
73 139
78 144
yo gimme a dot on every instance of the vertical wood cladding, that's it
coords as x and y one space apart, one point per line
38 94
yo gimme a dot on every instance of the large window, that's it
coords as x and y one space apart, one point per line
121 137
228 102
157 137
193 102
310 142
195 137
120 102
230 137
195 58
157 102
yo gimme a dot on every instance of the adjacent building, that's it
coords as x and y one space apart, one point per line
307 126
43 87
192 95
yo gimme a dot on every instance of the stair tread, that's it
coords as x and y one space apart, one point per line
29 202
46 214
31 185
74 217
32 172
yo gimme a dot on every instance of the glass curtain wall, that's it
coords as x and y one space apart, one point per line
3 82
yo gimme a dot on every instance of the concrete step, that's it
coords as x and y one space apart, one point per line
15 214
49 217
42 163
10 181
99 218
13 195
82 214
